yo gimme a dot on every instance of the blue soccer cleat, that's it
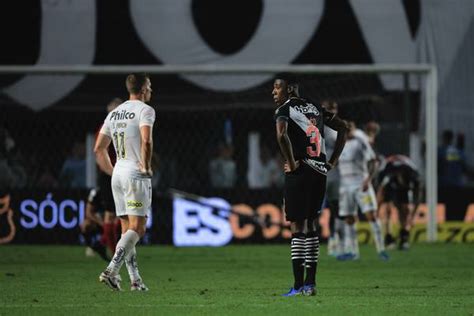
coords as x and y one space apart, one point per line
347 257
383 255
309 290
294 292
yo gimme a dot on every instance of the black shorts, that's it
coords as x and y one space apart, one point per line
106 192
397 196
304 193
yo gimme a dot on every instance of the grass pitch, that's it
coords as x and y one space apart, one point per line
430 279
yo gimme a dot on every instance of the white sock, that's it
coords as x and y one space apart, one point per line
131 264
351 244
124 247
339 233
377 231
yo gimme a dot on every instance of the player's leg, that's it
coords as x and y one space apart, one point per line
338 227
404 226
137 224
89 230
348 211
311 256
368 204
109 236
110 275
332 200
389 240
294 211
376 228
139 203
316 187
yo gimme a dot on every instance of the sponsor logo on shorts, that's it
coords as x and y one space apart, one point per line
134 204
317 165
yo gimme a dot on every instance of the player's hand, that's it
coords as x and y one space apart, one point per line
329 166
365 184
287 167
146 172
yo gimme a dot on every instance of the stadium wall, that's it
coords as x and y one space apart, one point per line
53 217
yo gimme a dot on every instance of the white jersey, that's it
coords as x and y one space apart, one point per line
330 137
122 125
354 158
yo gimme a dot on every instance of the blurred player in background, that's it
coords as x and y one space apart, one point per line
110 224
130 128
300 134
399 188
336 223
93 223
357 166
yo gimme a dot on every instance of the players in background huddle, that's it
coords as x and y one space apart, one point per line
357 166
130 128
93 223
336 223
400 188
300 134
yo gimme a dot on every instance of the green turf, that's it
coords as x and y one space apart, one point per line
429 279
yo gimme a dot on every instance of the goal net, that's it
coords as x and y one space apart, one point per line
50 115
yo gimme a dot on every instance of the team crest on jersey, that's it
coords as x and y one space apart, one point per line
308 109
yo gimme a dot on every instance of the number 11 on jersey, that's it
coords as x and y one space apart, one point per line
119 139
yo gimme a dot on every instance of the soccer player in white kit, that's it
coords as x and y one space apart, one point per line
357 166
130 128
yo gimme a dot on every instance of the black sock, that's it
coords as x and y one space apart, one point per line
89 238
311 257
404 236
298 258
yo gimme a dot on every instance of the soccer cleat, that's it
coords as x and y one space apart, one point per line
404 246
294 292
383 255
89 252
113 282
309 290
347 257
138 285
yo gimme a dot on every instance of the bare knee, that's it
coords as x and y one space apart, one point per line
350 220
297 227
370 216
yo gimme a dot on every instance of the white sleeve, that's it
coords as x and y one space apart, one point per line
105 129
147 117
367 150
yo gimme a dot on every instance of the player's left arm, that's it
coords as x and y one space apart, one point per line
371 168
102 153
147 119
340 126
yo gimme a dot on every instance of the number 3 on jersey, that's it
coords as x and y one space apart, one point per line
119 139
315 140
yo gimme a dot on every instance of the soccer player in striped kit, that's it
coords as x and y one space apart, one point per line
300 134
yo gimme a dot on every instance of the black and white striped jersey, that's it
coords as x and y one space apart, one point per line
306 121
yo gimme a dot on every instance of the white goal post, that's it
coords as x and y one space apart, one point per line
430 88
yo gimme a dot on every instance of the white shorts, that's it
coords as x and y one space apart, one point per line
351 197
132 196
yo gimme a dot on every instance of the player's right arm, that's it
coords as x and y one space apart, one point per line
147 119
102 153
285 143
